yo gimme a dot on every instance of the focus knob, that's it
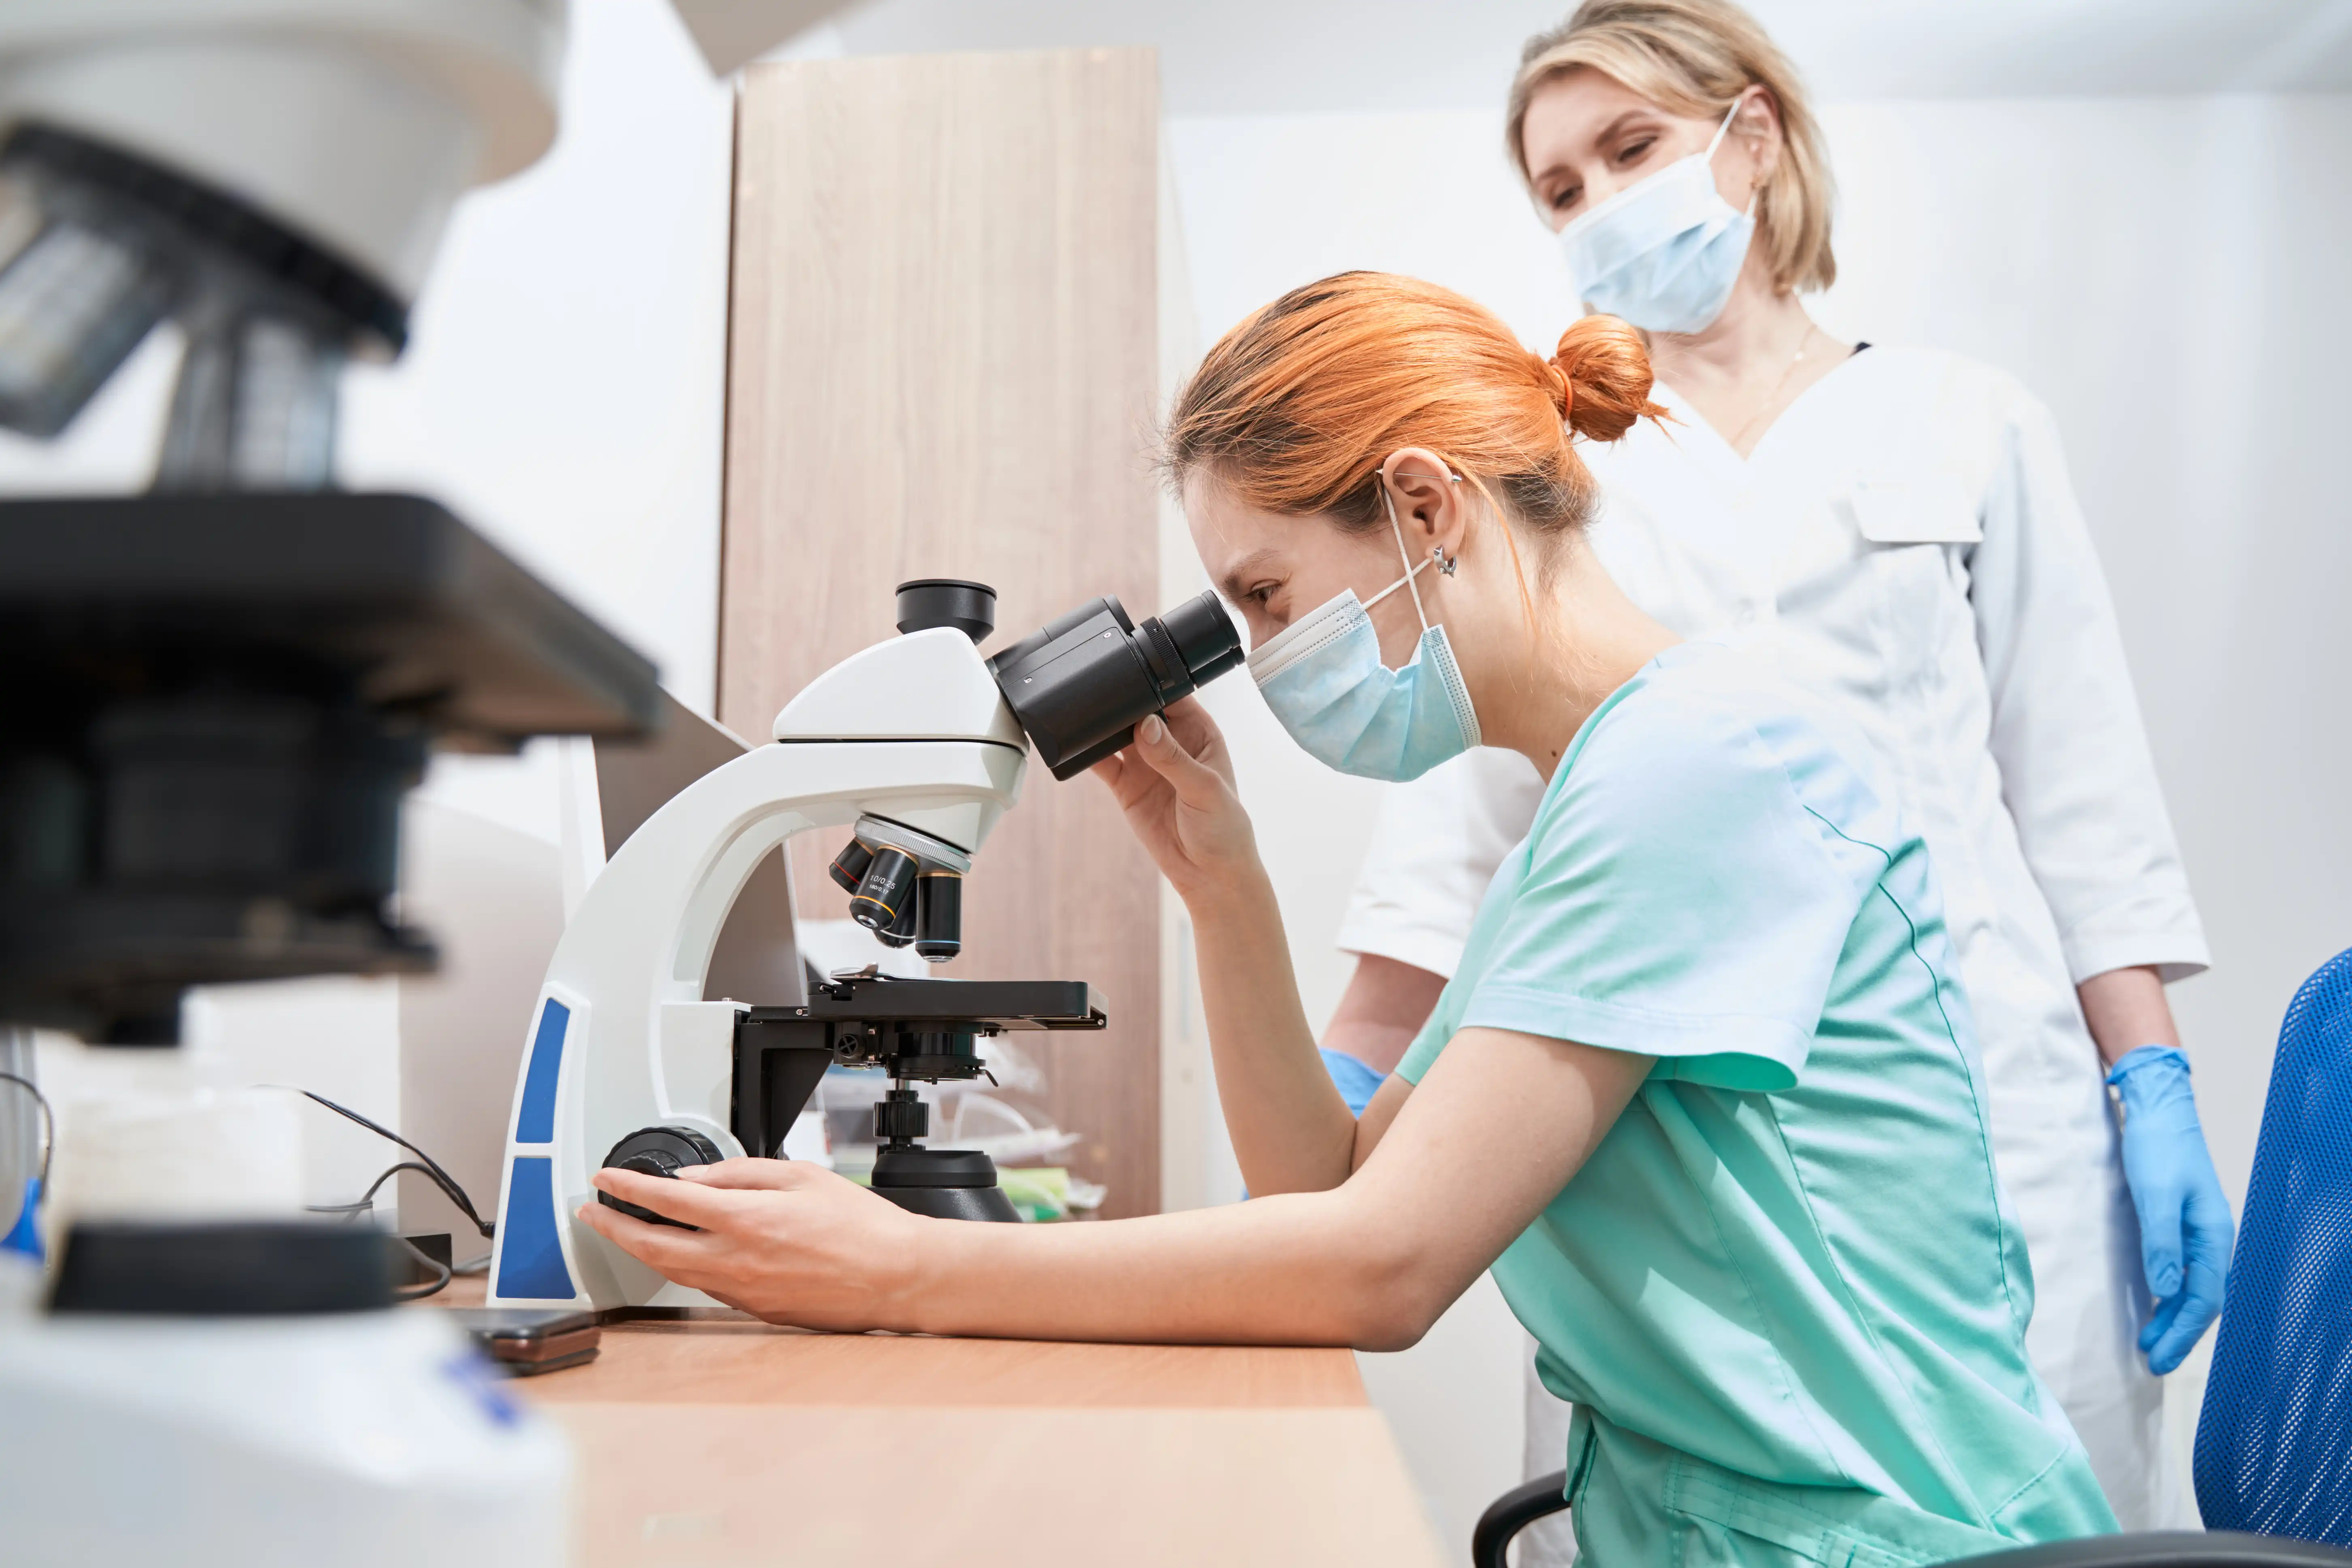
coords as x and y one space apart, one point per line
658 1152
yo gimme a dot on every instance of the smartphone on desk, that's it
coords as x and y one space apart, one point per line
528 1340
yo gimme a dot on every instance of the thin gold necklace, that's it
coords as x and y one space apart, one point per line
1804 341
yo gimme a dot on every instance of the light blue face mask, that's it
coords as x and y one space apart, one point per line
1324 680
1664 252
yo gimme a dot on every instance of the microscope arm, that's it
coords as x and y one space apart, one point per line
622 1039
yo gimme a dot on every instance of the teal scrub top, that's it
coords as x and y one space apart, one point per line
1785 1292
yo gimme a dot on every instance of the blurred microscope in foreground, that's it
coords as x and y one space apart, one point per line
218 693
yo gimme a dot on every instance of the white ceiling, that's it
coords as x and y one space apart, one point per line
1250 56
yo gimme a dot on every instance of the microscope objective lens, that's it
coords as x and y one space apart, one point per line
887 891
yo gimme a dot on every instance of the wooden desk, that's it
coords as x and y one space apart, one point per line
726 1444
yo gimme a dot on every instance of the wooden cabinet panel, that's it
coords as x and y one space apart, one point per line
942 363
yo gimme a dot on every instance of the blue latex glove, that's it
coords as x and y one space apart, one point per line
26 1237
2185 1230
1356 1083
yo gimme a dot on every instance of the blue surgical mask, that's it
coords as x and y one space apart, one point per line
1664 252
1324 680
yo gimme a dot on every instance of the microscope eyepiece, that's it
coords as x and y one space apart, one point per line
1204 637
1079 684
929 601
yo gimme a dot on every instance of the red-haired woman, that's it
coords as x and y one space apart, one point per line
1893 529
1702 1094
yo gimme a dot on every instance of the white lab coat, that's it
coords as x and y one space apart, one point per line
1904 538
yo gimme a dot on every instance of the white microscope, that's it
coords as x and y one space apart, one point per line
920 744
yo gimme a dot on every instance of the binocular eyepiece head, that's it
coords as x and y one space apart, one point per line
1079 684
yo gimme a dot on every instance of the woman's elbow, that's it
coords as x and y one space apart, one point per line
1388 1329
1391 1304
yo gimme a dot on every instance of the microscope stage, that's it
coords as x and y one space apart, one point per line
995 1004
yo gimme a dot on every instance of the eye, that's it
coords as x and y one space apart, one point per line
1635 150
1259 595
1566 197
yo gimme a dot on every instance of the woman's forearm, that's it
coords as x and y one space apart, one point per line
1299 1268
1291 1131
2125 1010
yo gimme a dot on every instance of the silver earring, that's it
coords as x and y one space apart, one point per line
1446 563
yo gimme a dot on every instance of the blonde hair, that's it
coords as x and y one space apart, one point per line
1695 57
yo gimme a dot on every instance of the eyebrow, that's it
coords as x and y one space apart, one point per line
1634 113
1602 136
1231 583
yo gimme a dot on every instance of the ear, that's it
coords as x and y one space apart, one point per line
1432 511
1757 123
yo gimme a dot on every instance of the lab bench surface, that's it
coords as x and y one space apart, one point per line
726 1443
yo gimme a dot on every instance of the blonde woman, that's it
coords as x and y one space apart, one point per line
1893 529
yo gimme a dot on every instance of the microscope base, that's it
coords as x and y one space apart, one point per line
946 1184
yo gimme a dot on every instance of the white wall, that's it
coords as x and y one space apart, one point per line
565 382
2161 271
563 386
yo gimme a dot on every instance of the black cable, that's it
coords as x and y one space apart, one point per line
48 1126
366 1204
432 1168
438 1267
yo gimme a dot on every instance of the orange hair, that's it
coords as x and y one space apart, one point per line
1296 409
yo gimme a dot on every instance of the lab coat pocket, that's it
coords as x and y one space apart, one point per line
1916 533
1913 510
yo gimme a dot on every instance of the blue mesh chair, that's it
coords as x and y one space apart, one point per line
2275 1439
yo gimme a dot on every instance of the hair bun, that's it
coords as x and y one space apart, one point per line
1604 373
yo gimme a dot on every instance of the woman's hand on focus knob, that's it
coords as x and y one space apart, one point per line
1175 783
783 1239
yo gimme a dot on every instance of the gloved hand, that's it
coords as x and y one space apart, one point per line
2185 1230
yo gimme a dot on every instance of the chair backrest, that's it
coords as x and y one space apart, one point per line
2275 1439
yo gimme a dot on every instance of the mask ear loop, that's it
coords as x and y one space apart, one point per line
1411 570
1725 129
1720 132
